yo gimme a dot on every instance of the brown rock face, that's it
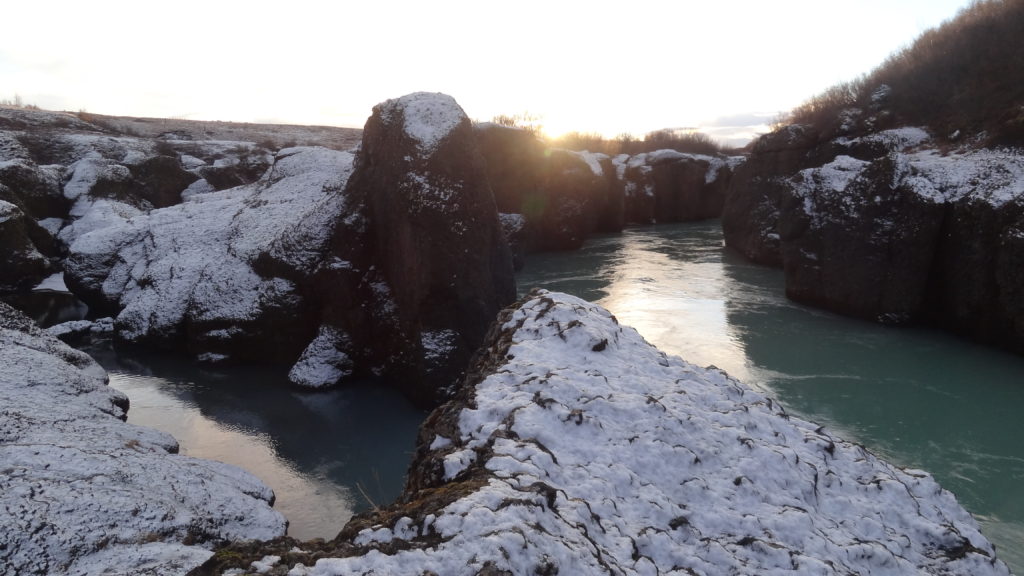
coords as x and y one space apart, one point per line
562 198
751 210
21 264
425 233
161 180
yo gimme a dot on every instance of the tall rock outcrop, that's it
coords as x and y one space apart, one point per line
422 263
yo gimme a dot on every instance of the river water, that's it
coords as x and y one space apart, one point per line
919 398
326 454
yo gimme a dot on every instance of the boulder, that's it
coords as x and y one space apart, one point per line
563 195
34 189
575 447
22 266
160 180
424 265
572 197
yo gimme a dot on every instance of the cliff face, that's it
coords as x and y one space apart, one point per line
575 447
887 227
421 231
564 196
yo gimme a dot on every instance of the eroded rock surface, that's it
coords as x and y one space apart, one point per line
421 264
575 447
82 492
886 227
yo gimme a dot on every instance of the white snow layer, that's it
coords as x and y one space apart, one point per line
194 259
995 177
322 363
428 117
82 492
604 455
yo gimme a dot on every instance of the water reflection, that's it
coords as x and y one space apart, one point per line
920 398
326 454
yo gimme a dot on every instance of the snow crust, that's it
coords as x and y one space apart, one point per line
52 283
427 117
194 260
992 176
82 492
322 362
599 454
995 177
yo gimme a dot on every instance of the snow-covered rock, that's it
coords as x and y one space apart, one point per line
419 251
578 448
888 227
186 271
82 492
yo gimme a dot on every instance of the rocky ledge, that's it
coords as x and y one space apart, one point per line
890 225
82 492
575 447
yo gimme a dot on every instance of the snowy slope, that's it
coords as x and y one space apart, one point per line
82 492
584 450
194 260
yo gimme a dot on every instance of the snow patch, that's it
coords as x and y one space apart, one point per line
52 283
427 117
323 363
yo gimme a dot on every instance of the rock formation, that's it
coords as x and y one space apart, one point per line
422 264
393 272
21 264
575 447
82 492
565 196
885 227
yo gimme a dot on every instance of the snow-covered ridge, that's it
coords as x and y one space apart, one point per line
995 177
585 450
82 492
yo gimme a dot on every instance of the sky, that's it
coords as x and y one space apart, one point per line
727 67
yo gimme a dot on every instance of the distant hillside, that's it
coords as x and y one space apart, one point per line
272 136
963 78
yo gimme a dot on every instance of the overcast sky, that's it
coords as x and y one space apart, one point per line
609 67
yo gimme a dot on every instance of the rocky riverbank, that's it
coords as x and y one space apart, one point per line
888 226
82 492
574 446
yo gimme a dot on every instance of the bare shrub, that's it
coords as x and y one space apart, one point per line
966 75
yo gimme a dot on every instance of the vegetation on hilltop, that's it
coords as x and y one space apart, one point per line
962 78
680 140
